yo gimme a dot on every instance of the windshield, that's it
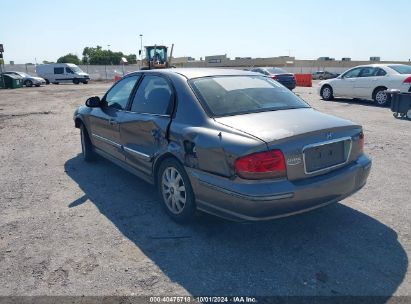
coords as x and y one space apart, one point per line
233 95
276 71
22 74
76 69
402 69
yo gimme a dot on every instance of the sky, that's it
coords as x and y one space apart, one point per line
45 30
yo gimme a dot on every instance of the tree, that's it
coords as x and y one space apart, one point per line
69 58
96 55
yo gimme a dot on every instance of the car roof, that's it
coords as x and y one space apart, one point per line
191 73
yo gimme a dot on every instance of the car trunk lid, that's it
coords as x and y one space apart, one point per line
313 143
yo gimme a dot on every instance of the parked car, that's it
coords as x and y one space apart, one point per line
62 72
324 75
368 82
27 79
231 143
280 75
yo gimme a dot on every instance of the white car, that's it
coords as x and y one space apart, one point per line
368 82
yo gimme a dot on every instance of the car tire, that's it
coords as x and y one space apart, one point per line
381 97
28 83
37 85
85 82
56 82
175 191
76 81
86 145
327 93
47 81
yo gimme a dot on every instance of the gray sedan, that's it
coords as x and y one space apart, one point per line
231 143
28 80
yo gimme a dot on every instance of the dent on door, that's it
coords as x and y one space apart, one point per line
143 136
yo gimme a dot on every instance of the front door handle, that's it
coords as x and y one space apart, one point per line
113 122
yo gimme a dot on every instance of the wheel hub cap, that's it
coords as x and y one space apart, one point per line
173 190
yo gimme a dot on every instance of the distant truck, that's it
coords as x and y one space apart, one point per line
62 72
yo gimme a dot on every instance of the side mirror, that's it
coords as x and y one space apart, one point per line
93 102
139 52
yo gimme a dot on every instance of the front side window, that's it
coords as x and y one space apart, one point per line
352 73
58 70
118 96
154 96
69 71
234 95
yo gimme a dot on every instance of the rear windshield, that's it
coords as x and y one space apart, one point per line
402 69
233 95
276 71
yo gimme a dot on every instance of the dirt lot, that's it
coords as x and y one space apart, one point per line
72 228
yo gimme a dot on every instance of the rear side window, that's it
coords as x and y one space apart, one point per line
381 72
234 95
58 70
154 96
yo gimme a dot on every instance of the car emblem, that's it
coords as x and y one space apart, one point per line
329 135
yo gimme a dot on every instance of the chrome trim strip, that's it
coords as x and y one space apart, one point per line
144 156
106 140
323 143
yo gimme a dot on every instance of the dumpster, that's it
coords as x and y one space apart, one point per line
400 104
12 81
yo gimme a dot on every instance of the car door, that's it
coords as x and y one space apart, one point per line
369 78
344 85
59 75
144 127
104 121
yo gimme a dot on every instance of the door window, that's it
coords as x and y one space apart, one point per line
368 72
69 71
154 96
118 96
381 72
354 73
58 70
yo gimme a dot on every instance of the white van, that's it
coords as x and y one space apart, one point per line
62 72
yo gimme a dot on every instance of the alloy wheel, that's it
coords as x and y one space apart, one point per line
173 190
326 93
381 97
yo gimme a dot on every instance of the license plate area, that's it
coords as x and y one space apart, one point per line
327 155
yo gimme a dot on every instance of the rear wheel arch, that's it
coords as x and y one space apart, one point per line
387 98
160 160
376 89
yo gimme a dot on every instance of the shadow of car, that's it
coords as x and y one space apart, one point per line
334 251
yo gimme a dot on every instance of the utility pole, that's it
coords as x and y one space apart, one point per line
1 66
141 50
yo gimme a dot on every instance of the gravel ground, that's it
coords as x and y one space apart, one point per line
72 228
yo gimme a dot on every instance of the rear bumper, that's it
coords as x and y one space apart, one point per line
289 85
264 200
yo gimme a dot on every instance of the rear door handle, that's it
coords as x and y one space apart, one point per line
113 122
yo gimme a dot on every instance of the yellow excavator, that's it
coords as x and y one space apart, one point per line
156 57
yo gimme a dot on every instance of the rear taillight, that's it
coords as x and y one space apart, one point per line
270 164
274 77
407 80
361 142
